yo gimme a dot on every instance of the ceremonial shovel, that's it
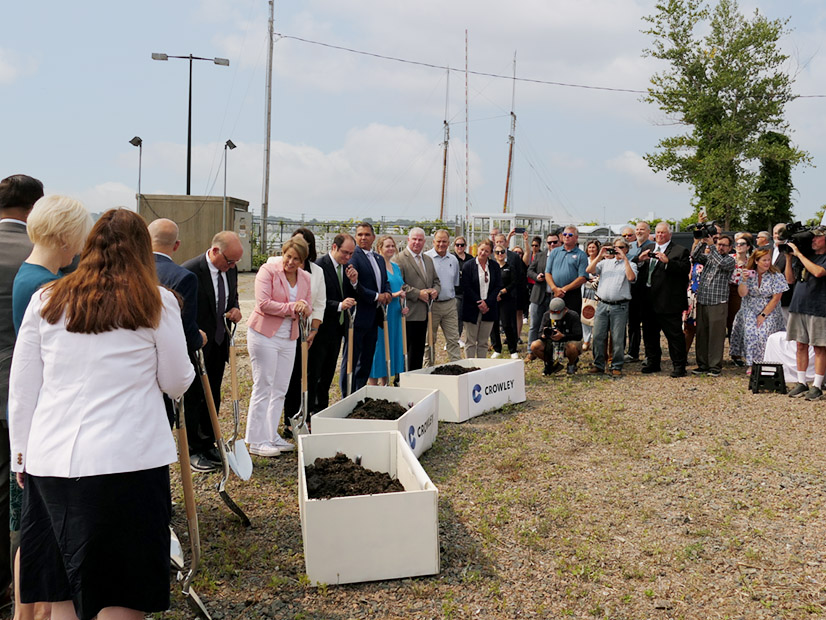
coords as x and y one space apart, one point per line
236 449
350 331
192 599
404 331
298 422
219 441
432 353
387 346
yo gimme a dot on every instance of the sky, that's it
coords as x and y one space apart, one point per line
357 136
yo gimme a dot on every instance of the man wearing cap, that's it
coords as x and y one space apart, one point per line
807 313
560 328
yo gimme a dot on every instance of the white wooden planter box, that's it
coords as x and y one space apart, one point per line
419 425
369 537
461 397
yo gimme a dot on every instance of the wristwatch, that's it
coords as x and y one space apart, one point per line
763 314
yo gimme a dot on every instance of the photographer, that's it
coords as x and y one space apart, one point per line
616 274
561 329
807 312
712 298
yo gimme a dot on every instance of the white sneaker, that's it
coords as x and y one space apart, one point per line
514 356
264 449
495 355
462 343
283 445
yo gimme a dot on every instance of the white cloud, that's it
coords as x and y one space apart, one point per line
106 195
636 168
12 66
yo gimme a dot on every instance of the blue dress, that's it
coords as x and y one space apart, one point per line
394 323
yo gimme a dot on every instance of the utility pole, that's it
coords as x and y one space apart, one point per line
266 198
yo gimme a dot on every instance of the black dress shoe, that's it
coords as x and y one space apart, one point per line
647 370
288 432
212 455
679 371
201 464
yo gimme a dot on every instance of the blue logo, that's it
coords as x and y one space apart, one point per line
411 437
477 393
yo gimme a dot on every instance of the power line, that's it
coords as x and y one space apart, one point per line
482 73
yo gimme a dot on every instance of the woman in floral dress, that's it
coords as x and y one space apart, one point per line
760 288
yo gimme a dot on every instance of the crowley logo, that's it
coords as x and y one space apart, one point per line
411 437
477 393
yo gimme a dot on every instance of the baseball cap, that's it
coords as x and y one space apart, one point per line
556 308
819 231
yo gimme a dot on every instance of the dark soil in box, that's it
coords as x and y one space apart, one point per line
377 409
453 370
338 476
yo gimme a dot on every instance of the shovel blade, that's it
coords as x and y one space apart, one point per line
196 604
239 459
176 552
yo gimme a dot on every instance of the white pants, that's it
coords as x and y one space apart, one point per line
272 362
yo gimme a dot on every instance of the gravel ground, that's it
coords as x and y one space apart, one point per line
644 497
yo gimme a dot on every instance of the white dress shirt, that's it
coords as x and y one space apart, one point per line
91 404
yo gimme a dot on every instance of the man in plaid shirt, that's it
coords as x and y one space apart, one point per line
712 301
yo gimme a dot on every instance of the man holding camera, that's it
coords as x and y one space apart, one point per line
614 294
663 270
712 252
560 330
807 312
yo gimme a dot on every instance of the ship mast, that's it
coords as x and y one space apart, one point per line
510 141
445 147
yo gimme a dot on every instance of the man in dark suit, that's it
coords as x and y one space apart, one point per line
217 297
165 242
663 271
371 288
18 193
327 344
539 298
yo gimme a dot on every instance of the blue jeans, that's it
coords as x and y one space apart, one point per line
612 317
537 311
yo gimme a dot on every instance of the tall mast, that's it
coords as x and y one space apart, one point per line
511 140
445 146
266 198
467 152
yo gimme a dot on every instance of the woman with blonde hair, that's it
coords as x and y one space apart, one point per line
58 226
90 440
282 295
760 289
386 247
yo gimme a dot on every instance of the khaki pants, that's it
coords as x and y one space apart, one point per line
446 317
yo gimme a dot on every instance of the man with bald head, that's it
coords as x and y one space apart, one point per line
165 242
217 298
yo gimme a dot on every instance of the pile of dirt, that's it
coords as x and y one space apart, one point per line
453 370
338 476
377 409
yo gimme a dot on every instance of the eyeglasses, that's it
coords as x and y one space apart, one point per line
230 262
499 252
630 235
741 243
459 245
534 245
567 234
620 247
554 242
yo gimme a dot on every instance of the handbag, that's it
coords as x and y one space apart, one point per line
589 311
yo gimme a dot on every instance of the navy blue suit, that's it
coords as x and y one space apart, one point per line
470 283
367 318
185 284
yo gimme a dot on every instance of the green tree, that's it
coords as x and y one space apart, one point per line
773 199
729 87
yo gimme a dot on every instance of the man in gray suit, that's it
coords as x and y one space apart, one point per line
18 193
421 285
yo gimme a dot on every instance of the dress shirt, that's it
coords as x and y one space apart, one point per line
484 279
216 273
613 281
91 404
447 269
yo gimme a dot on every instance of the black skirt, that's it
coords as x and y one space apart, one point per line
100 541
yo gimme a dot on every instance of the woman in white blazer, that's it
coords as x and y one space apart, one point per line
89 435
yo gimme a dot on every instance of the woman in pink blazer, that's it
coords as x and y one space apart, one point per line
282 295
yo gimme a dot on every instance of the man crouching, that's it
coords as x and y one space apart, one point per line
560 335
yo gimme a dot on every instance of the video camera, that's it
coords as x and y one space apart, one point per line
702 230
797 233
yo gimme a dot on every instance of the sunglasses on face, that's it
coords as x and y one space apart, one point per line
459 245
499 252
554 242
632 235
567 234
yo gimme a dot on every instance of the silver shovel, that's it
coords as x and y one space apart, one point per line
236 449
298 422
193 600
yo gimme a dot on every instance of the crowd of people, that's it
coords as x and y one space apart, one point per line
102 329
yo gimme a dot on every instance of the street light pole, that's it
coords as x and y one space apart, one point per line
228 145
218 61
136 141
